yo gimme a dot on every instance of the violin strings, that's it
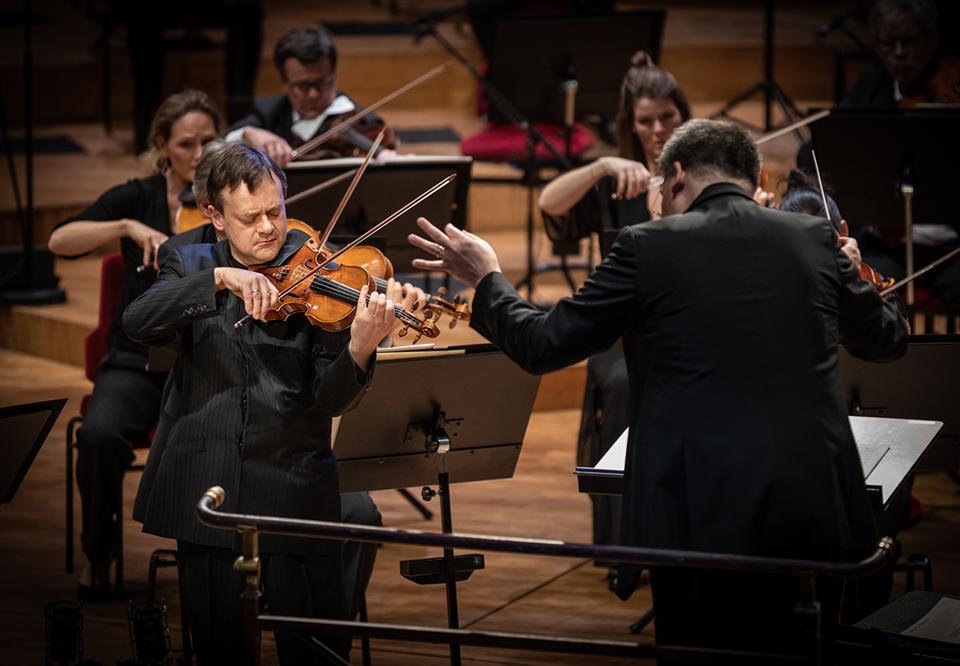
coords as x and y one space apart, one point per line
323 284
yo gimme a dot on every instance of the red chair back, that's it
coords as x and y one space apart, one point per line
97 343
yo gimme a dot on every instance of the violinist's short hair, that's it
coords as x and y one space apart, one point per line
307 44
889 12
239 163
712 149
200 174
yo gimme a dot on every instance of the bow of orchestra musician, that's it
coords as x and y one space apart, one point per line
710 327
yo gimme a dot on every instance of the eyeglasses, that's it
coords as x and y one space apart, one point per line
303 87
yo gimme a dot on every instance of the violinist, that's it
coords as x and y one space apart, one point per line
306 59
249 409
140 214
913 70
730 315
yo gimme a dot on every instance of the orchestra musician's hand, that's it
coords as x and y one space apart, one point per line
849 245
374 320
146 237
463 255
274 146
256 291
763 198
632 177
406 296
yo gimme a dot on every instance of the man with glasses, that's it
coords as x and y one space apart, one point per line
306 59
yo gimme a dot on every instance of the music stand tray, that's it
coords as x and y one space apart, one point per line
889 451
25 429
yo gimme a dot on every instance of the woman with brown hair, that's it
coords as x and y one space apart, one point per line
141 214
652 105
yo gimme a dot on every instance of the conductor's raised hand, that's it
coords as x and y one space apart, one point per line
374 320
463 255
258 293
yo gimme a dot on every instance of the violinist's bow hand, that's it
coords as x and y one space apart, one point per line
464 255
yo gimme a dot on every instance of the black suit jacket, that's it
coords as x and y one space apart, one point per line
730 316
248 409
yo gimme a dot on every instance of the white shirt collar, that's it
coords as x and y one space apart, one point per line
305 129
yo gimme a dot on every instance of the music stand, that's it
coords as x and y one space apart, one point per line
385 187
915 152
452 416
593 50
25 429
906 388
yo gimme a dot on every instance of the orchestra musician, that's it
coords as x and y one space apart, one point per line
141 214
306 59
730 316
249 409
914 71
357 508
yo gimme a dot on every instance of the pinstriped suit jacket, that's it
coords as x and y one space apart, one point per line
248 409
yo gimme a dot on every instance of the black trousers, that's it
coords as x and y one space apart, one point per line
306 586
124 406
358 558
737 611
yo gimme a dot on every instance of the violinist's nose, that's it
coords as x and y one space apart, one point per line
265 227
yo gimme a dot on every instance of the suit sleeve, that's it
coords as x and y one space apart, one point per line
575 328
173 301
870 327
338 382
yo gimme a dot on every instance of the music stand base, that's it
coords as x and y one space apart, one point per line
432 570
32 296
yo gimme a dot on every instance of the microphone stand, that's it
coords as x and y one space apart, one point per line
427 28
24 284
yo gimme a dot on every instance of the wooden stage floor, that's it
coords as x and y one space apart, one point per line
513 593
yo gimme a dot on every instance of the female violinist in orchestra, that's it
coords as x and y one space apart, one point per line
652 105
140 214
306 59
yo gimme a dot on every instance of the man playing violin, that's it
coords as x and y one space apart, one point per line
730 316
306 59
249 409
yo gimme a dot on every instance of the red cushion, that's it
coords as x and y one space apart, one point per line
97 343
925 301
508 143
915 514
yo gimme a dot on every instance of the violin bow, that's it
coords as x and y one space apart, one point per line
353 185
823 194
342 127
359 239
910 278
320 187
803 122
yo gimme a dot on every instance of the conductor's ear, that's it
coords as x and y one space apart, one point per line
679 180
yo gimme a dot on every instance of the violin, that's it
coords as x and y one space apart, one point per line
380 269
942 87
329 297
354 140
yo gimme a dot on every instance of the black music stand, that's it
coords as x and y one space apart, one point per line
385 187
908 178
908 389
454 416
25 429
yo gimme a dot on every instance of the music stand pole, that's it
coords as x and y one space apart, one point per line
906 189
534 136
446 524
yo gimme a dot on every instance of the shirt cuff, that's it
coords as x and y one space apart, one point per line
235 136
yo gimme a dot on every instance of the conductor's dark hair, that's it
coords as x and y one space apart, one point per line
644 79
803 196
306 44
712 149
241 164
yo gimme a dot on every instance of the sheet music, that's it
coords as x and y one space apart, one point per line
889 449
941 623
